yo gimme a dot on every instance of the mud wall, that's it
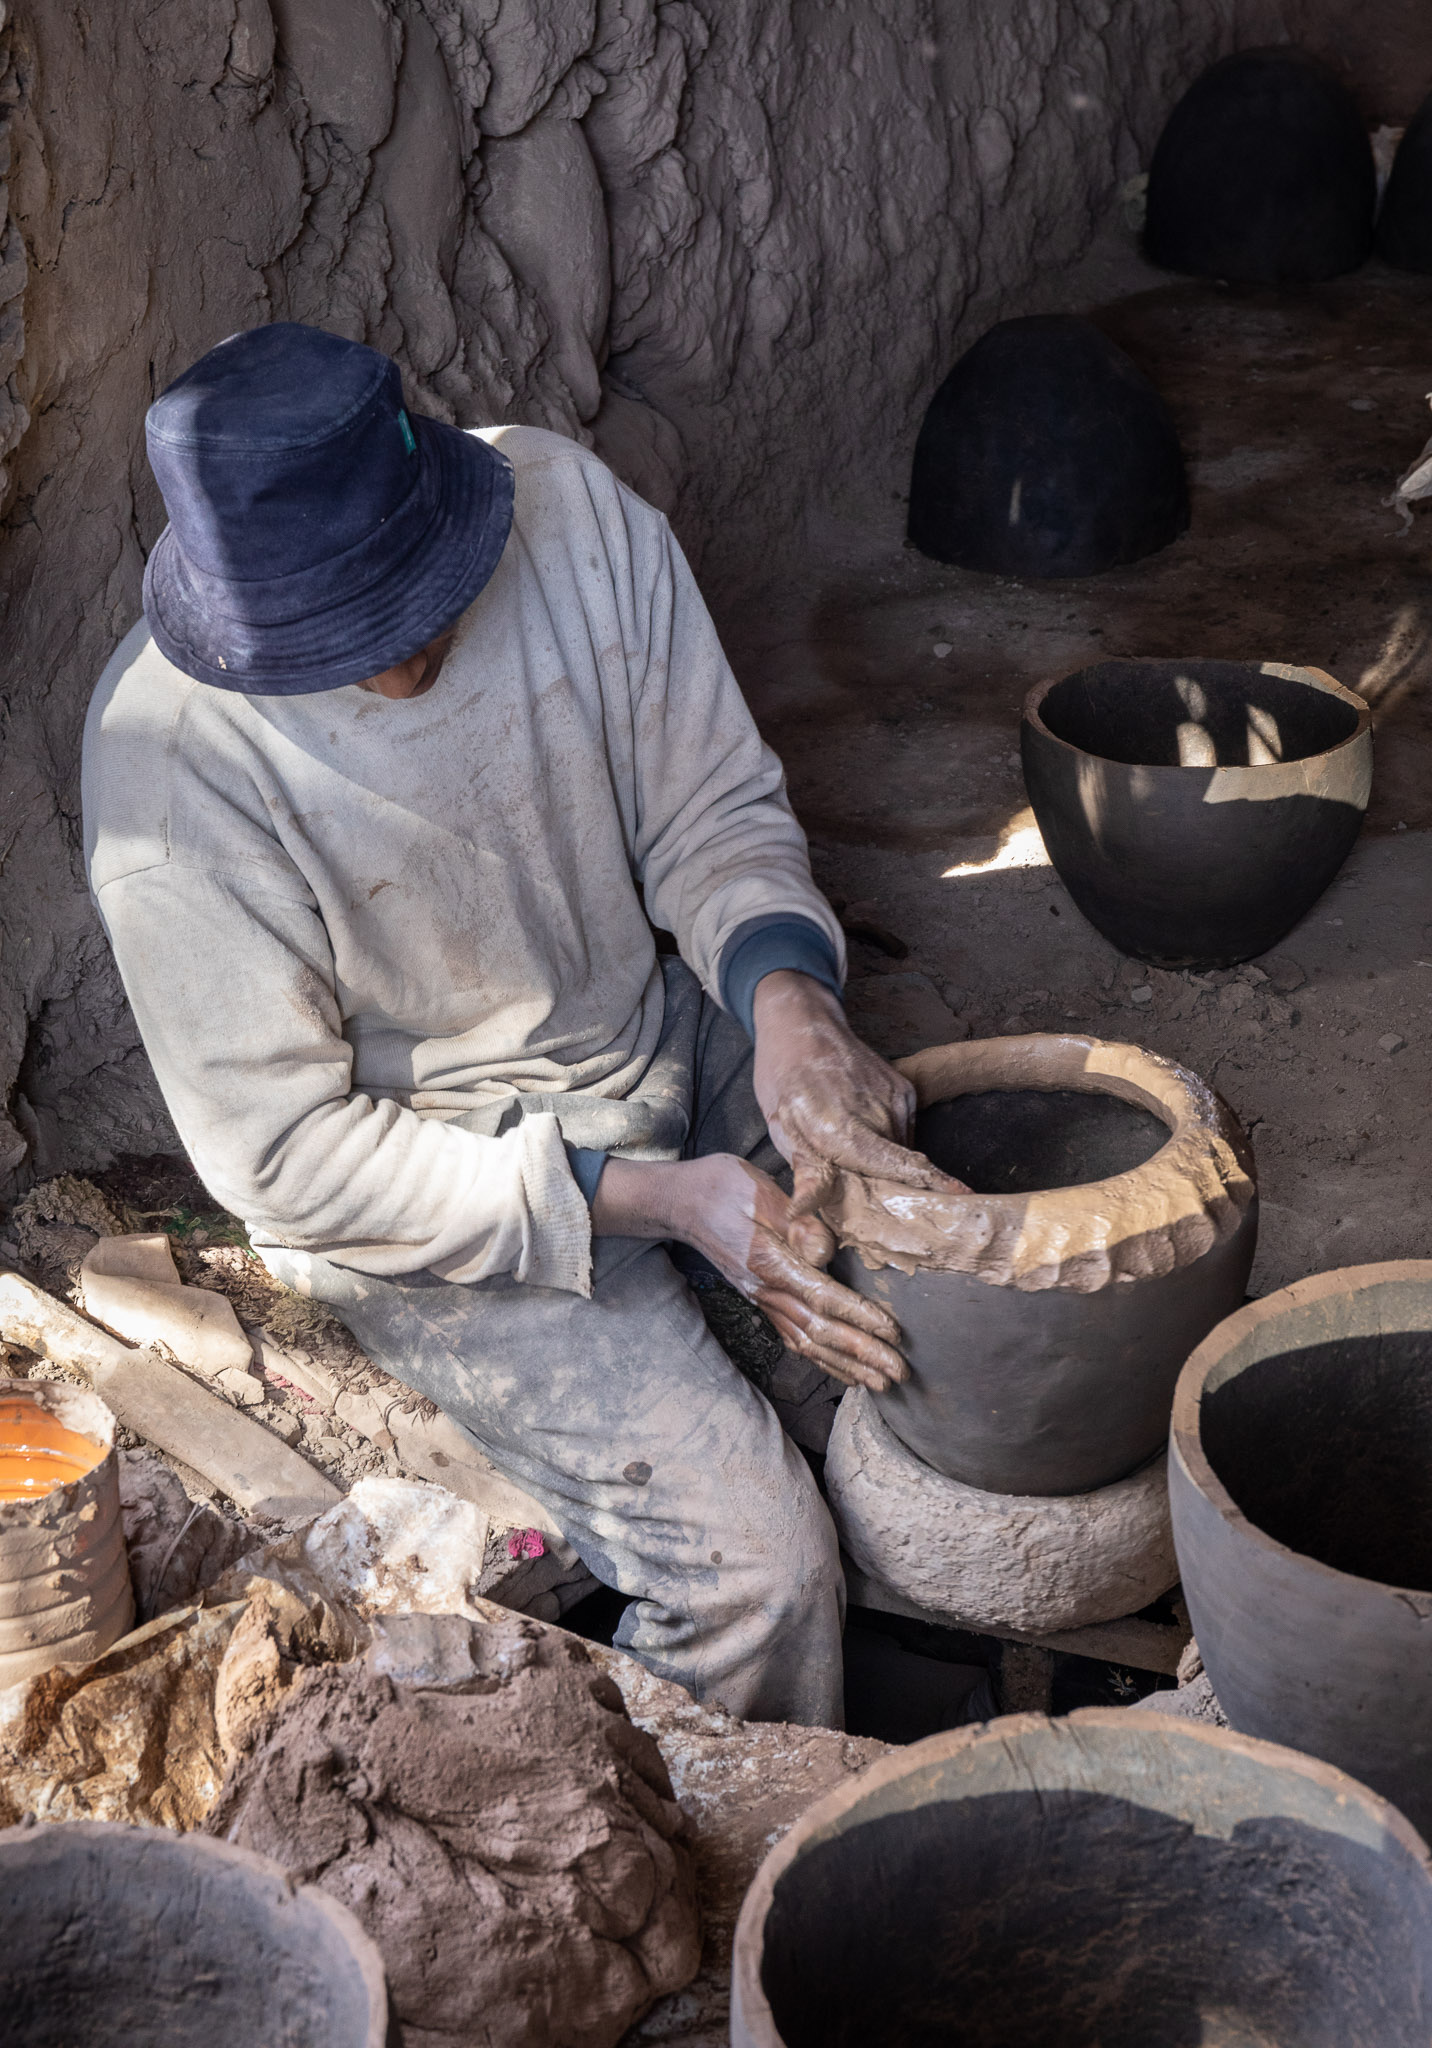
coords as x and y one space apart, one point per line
730 243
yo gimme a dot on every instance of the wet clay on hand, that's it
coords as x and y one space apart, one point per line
832 1106
776 1258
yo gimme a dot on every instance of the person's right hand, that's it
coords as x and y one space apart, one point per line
739 1219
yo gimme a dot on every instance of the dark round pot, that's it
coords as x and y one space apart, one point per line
1263 174
1109 1880
123 1937
1046 452
1301 1487
1045 1314
1196 810
1404 224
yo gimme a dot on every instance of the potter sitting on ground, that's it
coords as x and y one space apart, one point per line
418 728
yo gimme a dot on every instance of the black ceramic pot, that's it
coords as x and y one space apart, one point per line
1046 452
1108 1880
131 1937
1301 1487
1263 175
1196 810
1404 225
1045 1315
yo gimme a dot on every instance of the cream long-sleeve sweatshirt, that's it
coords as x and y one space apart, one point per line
343 920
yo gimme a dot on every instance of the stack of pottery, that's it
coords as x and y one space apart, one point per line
1106 1224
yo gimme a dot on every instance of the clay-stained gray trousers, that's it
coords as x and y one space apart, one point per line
664 1467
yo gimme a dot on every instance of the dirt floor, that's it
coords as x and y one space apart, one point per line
892 688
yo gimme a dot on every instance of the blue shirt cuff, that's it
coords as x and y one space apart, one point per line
765 945
587 1168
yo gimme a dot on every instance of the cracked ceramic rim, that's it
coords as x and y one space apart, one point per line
1154 1219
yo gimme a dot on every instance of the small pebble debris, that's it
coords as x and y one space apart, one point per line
1390 1042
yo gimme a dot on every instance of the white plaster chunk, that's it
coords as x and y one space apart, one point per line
990 1560
400 1546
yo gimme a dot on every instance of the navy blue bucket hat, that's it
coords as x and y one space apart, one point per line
317 535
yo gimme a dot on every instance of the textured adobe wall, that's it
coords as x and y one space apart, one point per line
730 242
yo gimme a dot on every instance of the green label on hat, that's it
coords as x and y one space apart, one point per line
408 441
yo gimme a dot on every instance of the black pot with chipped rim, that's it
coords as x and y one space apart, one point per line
1196 810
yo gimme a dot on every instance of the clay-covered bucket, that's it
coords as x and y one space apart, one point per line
1110 1880
123 1937
1264 174
1300 1478
1196 810
1046 1314
65 1592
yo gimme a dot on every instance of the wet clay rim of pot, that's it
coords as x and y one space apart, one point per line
1185 1438
84 1412
229 1856
1157 1217
912 1776
1308 775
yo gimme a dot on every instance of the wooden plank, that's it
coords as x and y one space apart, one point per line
158 1401
1147 1645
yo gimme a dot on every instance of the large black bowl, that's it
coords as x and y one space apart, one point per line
1196 810
1264 174
1046 452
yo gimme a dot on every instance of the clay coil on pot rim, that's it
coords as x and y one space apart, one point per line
1299 1651
65 1593
118 1935
1028 1878
1196 863
1044 1330
1160 1216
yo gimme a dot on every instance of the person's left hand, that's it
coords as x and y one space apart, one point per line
829 1101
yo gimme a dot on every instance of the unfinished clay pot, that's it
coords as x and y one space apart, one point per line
1046 1313
1263 174
1404 224
125 1937
1109 1880
996 1561
1196 810
1046 452
1301 1484
65 1592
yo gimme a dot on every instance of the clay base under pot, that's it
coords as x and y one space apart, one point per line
991 1560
